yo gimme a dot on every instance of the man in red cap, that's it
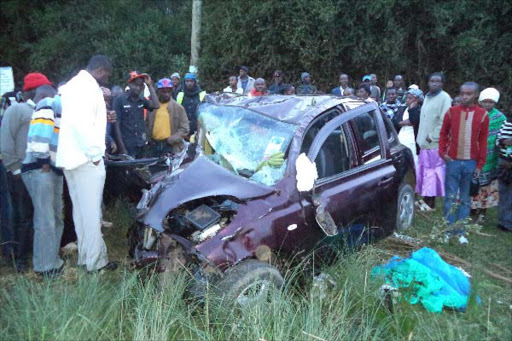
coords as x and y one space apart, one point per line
130 125
13 144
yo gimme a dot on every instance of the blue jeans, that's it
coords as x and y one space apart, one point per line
46 192
458 180
6 231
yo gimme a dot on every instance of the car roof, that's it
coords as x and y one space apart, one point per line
294 109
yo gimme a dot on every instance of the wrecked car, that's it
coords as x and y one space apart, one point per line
126 177
229 210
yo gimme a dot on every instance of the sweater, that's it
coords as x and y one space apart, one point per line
13 134
464 134
83 123
256 93
431 119
505 152
43 135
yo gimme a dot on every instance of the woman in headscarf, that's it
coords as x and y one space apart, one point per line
488 194
407 120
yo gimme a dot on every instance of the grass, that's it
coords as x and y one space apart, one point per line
121 305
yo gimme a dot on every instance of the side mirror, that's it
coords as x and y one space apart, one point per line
306 173
325 221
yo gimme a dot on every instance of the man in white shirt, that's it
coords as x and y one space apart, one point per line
233 86
80 153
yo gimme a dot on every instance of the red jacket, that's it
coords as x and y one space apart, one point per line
464 134
256 93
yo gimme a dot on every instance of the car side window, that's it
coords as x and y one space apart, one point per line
367 136
390 130
336 154
315 128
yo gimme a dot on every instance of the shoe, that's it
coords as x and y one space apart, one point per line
111 266
53 273
503 228
425 207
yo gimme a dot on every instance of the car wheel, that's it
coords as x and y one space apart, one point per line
248 283
405 207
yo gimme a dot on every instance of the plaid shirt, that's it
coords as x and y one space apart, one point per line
391 109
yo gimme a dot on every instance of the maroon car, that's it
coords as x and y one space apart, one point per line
230 207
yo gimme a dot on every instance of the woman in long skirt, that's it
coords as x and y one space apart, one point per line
488 195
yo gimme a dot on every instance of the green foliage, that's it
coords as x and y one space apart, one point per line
123 306
468 40
59 37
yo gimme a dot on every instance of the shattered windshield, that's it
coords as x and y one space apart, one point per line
248 143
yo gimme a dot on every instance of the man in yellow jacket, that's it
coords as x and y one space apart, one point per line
168 125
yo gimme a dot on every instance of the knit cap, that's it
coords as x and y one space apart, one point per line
34 80
489 93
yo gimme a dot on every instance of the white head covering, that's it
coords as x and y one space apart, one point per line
177 75
489 93
413 86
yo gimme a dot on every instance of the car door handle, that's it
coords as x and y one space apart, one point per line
398 158
385 181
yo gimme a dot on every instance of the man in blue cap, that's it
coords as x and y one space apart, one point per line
367 79
190 98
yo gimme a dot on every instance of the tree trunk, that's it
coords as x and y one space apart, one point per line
196 29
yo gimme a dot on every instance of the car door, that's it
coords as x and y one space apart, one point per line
353 177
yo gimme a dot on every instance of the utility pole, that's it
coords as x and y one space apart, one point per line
194 39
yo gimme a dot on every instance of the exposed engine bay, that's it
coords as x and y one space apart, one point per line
186 226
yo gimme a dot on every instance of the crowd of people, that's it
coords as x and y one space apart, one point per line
54 140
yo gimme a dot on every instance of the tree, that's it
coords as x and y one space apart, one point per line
468 40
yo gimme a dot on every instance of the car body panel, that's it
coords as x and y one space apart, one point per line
188 185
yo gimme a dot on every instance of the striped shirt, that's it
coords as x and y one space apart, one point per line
505 133
43 135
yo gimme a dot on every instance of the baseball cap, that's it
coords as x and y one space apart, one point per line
164 83
133 75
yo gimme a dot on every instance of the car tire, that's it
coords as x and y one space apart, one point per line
248 282
405 207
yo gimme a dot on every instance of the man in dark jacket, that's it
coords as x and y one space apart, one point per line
278 85
340 90
305 87
176 85
130 126
190 99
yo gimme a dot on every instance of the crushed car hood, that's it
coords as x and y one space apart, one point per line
199 179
